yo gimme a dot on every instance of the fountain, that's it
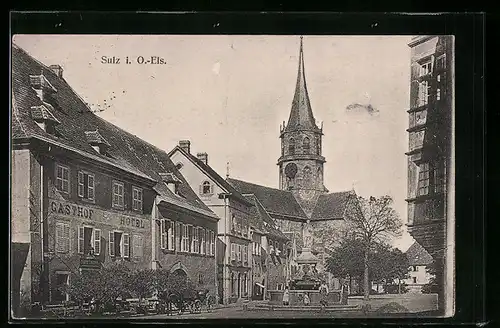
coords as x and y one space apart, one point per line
307 281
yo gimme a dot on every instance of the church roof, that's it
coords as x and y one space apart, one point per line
280 204
127 153
331 206
417 255
301 115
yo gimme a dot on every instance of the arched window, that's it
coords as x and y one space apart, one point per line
318 145
306 176
291 147
306 145
206 188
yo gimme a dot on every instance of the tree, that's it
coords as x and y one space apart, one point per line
346 259
373 220
141 283
436 281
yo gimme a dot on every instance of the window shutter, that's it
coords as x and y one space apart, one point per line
162 234
80 239
80 184
111 243
126 245
177 236
97 241
59 234
213 244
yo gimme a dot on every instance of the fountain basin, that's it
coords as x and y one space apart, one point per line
296 297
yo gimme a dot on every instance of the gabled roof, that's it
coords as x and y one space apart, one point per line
417 255
331 206
43 113
301 114
279 204
261 220
126 152
214 175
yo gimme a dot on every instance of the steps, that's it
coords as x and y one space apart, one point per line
301 308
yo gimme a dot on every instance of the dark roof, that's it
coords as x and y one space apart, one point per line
331 206
261 220
301 114
417 255
214 175
278 203
126 152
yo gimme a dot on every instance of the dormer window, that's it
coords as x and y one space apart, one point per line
41 85
206 188
172 182
44 118
97 141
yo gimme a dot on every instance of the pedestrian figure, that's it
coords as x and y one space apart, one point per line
323 291
286 296
307 301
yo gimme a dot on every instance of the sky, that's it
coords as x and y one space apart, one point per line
228 95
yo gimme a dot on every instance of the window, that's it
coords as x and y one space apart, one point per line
238 252
137 199
245 254
200 278
167 235
414 280
291 147
423 179
318 145
61 282
233 252
138 245
85 240
62 178
196 245
418 118
62 237
119 244
439 177
185 238
201 234
207 242
163 235
86 187
179 166
425 68
424 92
118 189
416 139
441 62
178 235
212 243
306 145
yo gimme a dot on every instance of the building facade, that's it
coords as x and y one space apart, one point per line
87 193
418 274
430 143
235 213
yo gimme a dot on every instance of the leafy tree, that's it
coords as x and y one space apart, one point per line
436 281
142 283
346 259
374 220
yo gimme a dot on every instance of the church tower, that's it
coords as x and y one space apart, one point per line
301 161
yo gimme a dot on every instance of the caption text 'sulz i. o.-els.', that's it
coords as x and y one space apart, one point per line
153 60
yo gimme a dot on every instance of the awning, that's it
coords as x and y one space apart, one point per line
260 285
19 253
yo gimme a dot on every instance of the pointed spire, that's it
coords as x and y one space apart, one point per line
301 115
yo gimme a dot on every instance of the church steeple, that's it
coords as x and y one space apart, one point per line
301 161
301 115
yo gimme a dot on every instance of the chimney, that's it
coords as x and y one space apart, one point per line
57 69
203 157
185 145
